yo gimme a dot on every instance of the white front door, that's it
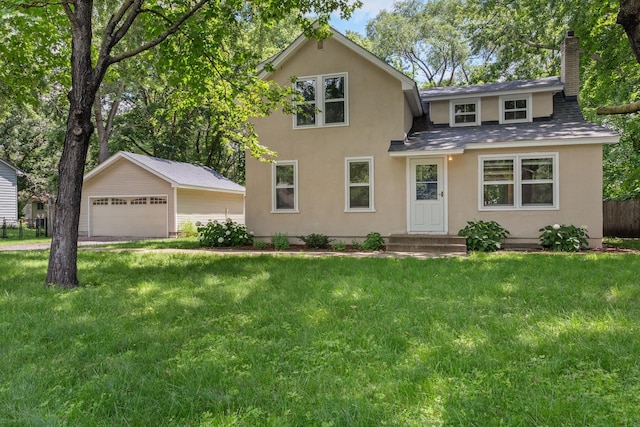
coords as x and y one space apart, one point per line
426 198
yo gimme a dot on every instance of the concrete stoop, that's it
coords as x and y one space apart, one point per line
431 244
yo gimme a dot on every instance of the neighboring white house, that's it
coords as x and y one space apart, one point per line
132 195
9 192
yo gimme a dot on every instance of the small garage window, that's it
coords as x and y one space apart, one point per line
139 201
97 202
157 200
115 201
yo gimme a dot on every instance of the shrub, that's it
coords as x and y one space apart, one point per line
373 242
339 246
227 233
316 241
356 245
483 236
187 229
566 238
280 241
259 244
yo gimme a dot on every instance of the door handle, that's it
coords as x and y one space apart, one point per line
442 194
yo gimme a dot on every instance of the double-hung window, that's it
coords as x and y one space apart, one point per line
464 112
523 181
323 101
285 186
515 109
359 184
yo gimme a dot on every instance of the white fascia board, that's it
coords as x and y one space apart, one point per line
104 165
212 189
544 142
426 153
554 89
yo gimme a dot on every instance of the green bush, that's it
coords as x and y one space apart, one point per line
483 236
187 229
356 245
316 241
373 242
339 246
280 241
259 244
565 238
227 233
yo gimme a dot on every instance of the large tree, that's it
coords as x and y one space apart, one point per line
206 22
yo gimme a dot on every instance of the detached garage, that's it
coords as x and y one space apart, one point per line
132 195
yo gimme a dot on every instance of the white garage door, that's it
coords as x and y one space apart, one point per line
128 217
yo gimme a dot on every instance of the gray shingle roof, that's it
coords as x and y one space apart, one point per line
471 90
566 123
186 174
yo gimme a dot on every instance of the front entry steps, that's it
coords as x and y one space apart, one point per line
430 244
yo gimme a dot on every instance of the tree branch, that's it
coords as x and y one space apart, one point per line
632 107
162 37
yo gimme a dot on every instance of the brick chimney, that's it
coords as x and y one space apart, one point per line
570 66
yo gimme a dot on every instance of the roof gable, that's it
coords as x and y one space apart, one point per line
178 174
409 87
10 166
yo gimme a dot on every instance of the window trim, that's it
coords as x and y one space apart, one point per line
274 208
501 110
518 182
347 183
320 103
452 108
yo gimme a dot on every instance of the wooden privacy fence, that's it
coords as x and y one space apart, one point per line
621 218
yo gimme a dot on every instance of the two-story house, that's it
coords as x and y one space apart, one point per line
368 151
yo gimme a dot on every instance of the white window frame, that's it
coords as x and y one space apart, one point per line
320 102
518 182
527 97
452 112
274 186
348 184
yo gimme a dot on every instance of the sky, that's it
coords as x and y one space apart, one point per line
359 19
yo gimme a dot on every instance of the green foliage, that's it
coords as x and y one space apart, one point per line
316 241
373 242
483 236
356 245
188 229
564 238
339 246
280 241
227 233
259 244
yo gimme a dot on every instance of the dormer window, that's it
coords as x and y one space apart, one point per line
324 101
464 112
515 109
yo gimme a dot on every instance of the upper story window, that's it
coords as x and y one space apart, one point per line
285 183
324 101
464 112
359 188
526 181
515 109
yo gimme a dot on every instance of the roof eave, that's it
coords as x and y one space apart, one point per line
555 88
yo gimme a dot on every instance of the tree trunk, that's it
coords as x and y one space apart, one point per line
63 270
629 18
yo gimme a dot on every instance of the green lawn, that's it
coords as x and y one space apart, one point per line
28 236
208 340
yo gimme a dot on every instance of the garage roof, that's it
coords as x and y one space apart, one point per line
179 174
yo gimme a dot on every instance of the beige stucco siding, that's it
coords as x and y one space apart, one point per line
489 109
204 206
580 200
439 112
123 178
376 116
542 104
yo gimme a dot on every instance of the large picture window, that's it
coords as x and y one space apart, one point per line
324 101
285 181
359 188
519 182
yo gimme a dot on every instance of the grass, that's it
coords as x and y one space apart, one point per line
28 236
622 243
209 340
